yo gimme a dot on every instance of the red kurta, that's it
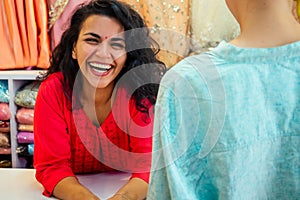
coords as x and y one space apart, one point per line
66 142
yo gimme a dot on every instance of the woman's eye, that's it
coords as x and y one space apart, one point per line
92 40
118 46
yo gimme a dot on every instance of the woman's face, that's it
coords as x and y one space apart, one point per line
100 50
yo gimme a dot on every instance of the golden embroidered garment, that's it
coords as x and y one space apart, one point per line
169 24
23 33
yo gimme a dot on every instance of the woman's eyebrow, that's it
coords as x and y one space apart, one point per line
99 37
115 39
93 34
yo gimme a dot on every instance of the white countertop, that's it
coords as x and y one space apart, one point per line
17 184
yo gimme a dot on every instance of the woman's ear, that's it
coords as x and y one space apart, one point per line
74 54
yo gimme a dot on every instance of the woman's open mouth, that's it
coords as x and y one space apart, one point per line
100 69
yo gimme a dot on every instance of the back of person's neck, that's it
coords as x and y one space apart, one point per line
266 24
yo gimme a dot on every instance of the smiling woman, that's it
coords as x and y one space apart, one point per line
100 51
94 112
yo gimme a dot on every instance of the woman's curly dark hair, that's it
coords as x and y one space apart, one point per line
140 47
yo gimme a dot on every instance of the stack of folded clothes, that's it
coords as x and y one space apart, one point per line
5 150
25 99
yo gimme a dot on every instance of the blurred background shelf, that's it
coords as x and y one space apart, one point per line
16 79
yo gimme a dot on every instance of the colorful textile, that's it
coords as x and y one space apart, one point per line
25 127
4 112
4 95
60 12
4 140
25 137
26 96
169 25
4 126
25 115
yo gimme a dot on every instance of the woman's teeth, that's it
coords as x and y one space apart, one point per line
100 67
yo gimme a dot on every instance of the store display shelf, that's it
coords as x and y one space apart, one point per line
16 79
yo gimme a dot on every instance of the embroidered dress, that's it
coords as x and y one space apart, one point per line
169 24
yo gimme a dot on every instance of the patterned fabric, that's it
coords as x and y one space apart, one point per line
4 112
60 13
4 94
4 126
67 142
56 8
26 95
227 126
4 140
25 137
25 115
169 23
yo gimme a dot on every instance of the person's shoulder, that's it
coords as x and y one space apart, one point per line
53 82
54 79
188 68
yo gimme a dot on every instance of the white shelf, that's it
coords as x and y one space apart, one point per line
16 79
20 74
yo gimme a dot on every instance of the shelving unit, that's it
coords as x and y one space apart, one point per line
16 79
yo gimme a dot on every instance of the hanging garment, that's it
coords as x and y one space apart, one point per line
23 32
60 13
168 21
211 22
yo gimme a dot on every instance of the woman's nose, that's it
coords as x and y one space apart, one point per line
103 49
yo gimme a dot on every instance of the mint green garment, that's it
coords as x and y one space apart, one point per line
227 126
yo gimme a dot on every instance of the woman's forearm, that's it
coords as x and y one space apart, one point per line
70 188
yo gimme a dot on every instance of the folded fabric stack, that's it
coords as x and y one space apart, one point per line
25 99
5 150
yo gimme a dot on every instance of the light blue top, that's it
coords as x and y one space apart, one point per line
227 126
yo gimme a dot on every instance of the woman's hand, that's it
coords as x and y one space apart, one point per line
119 196
134 189
70 189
